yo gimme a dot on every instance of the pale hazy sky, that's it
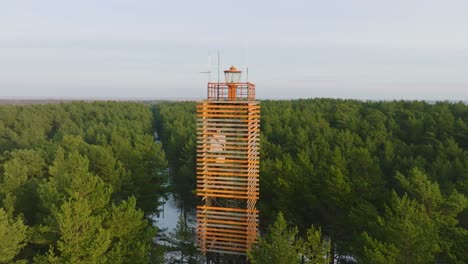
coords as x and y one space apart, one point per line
365 49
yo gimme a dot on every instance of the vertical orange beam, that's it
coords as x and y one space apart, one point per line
232 92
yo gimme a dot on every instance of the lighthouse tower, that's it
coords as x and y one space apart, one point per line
228 141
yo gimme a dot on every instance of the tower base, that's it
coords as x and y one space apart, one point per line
223 258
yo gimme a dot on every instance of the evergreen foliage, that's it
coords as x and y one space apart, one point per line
176 123
383 182
282 244
78 181
180 243
13 236
350 168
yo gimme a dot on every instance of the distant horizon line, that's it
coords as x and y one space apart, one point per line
138 98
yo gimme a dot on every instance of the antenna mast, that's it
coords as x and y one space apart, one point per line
247 60
218 66
209 68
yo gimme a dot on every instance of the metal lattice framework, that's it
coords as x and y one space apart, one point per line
220 91
228 137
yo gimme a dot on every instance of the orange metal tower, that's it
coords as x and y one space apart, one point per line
228 138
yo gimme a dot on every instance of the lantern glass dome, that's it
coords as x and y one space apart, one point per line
233 75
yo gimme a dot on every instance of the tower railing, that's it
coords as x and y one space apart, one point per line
220 91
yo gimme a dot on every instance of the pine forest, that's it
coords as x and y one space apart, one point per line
341 181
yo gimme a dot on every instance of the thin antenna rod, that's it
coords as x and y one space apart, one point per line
247 60
218 66
218 75
209 67
247 71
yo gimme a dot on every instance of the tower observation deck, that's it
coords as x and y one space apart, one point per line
228 142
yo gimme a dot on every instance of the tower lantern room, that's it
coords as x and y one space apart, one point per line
232 76
232 89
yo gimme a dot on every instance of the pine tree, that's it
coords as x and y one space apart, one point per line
279 246
316 250
181 243
12 237
88 228
406 235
